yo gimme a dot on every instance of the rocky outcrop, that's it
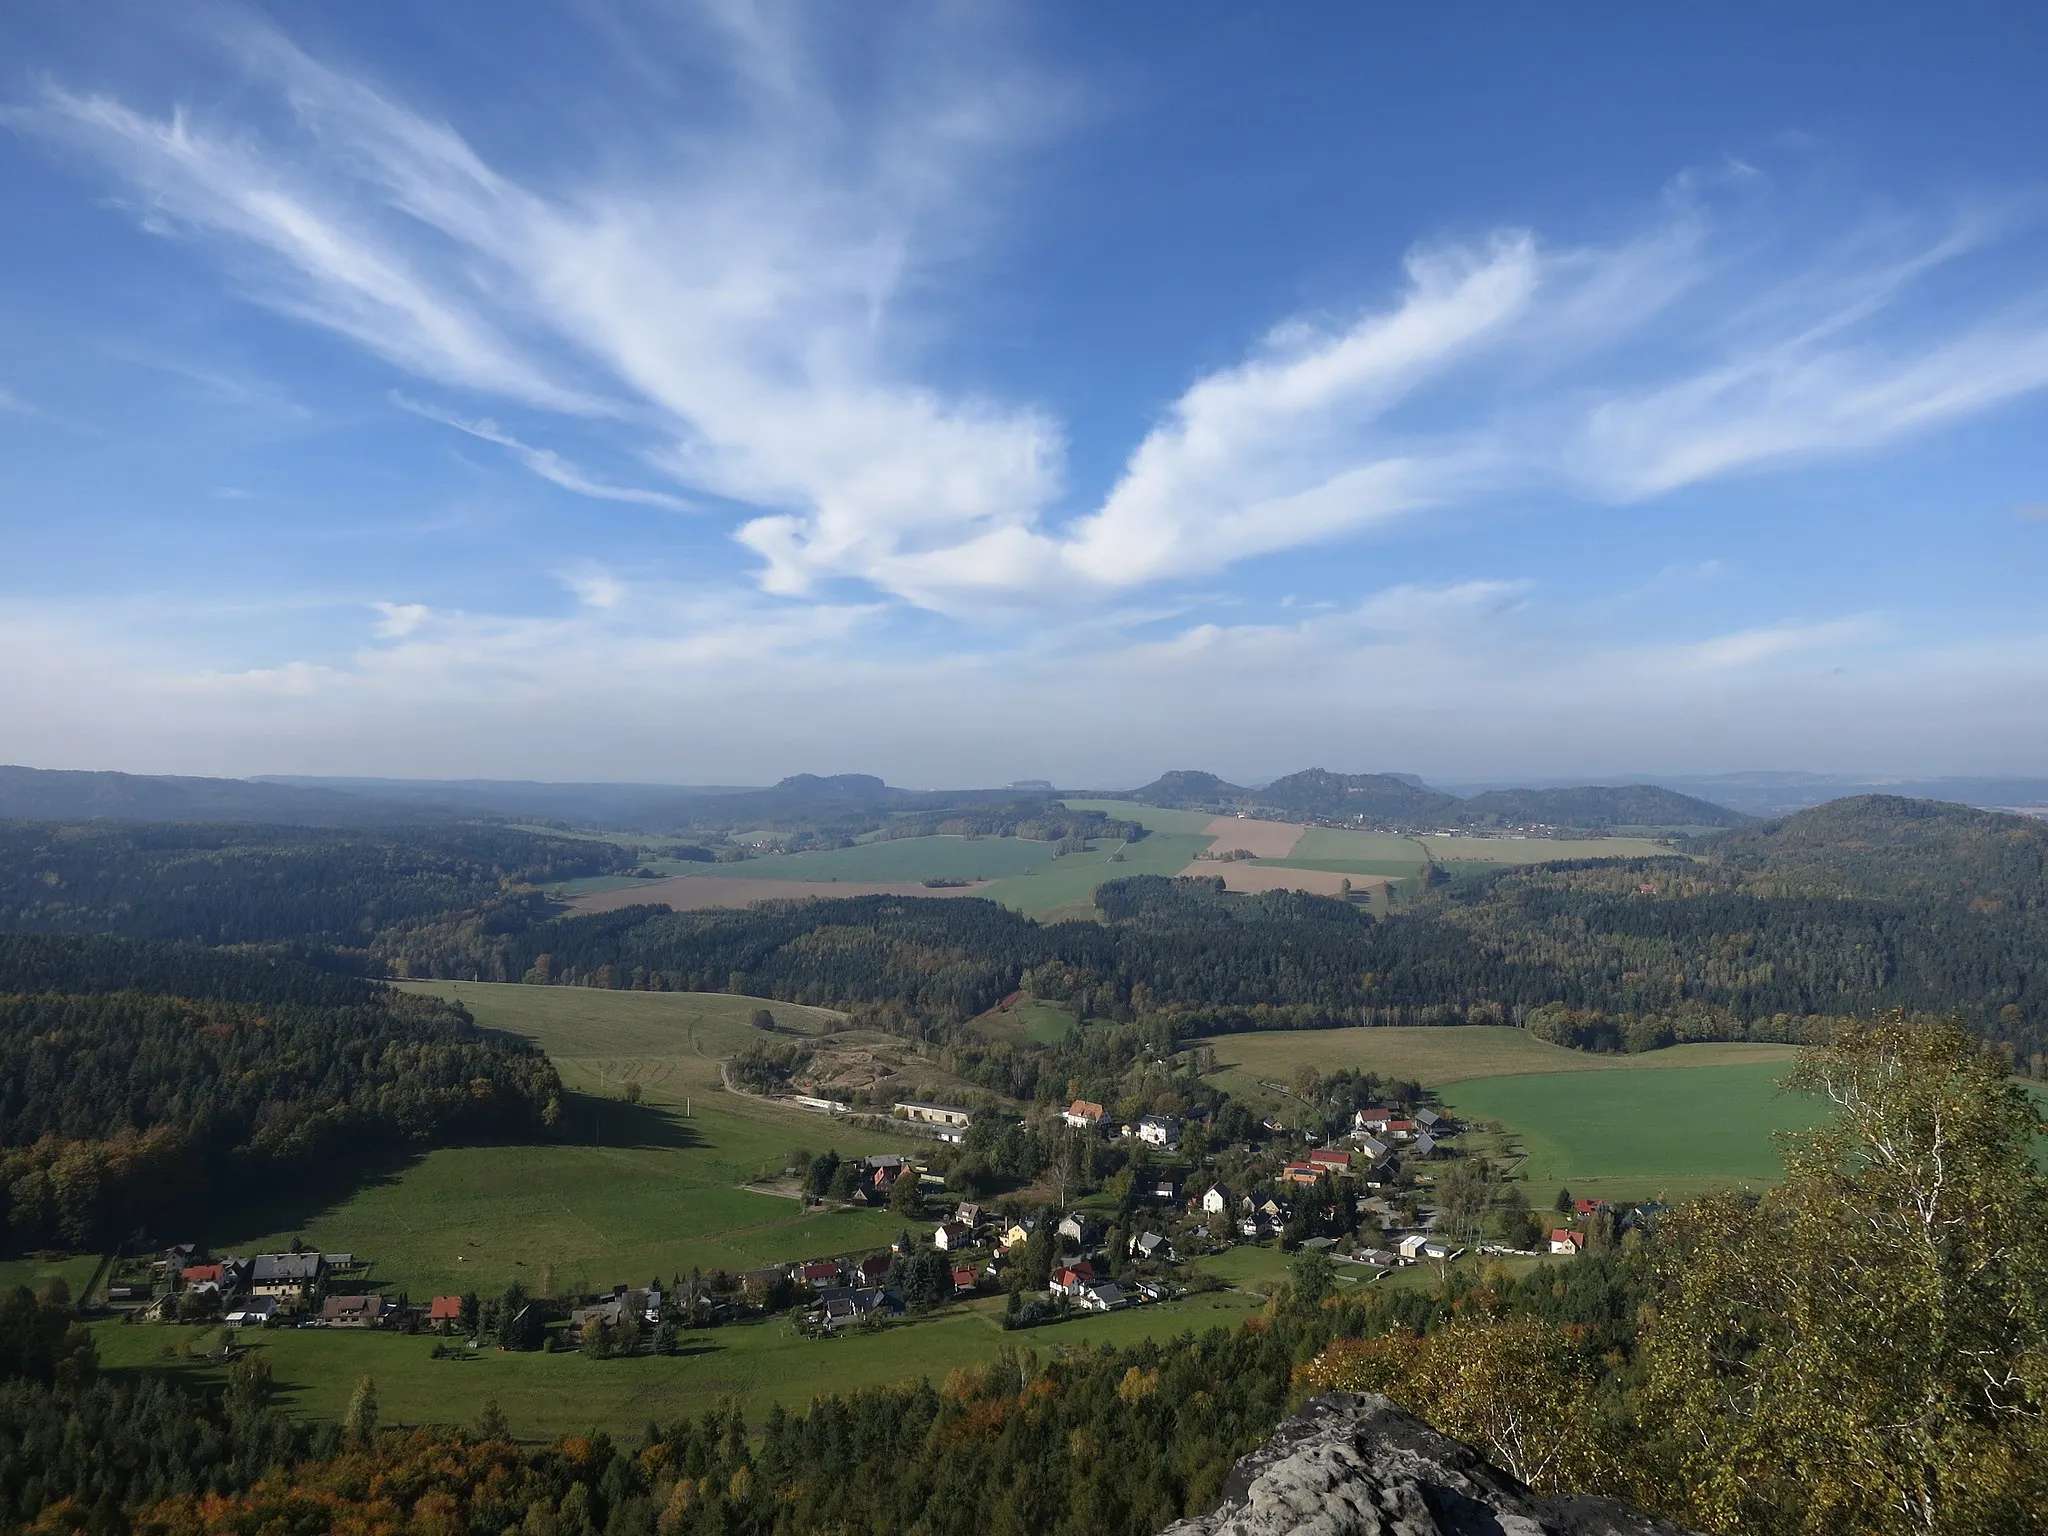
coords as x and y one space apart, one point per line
1358 1466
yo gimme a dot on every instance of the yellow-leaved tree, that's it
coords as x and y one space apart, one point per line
1864 1349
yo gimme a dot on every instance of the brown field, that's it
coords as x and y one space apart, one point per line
686 893
1260 839
1252 878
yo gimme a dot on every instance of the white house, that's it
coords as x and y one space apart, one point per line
1078 1230
1217 1201
1159 1131
952 1236
1150 1245
1104 1296
1084 1115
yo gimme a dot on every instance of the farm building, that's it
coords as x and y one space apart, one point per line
935 1114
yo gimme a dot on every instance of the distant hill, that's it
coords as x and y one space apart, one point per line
1188 788
1887 846
1596 805
1401 799
46 794
1378 797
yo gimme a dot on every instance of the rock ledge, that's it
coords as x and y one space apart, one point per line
1348 1465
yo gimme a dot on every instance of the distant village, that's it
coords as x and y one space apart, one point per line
1051 1264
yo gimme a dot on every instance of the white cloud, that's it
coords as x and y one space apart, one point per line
400 619
546 463
750 293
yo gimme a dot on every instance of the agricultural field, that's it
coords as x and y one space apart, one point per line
1538 850
1670 1122
896 859
76 1273
1152 818
631 1190
759 1363
1372 853
1065 888
1447 1055
1629 1135
1028 1019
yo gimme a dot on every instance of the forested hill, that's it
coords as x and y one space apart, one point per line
1888 847
1388 799
1610 955
141 1083
49 794
231 884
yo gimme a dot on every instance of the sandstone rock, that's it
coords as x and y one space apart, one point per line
1348 1465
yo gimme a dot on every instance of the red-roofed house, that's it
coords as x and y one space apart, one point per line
1588 1207
445 1309
203 1274
1564 1240
963 1279
1069 1280
1335 1161
1084 1114
1304 1173
821 1272
874 1269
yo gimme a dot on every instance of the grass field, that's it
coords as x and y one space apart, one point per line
1538 850
543 1395
1379 849
901 858
1439 1056
1066 887
632 1190
1040 1023
1150 817
1634 1134
76 1273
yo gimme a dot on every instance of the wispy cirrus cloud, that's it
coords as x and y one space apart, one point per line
752 304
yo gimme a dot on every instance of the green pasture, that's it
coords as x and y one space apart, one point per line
1150 817
1066 886
542 1395
1435 1056
626 1192
1336 845
894 859
1630 1134
76 1273
1538 850
1029 1019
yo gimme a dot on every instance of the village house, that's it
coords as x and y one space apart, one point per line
285 1277
873 1269
1101 1296
1565 1241
1078 1229
1370 1147
1423 1146
1159 1131
1379 1258
948 1115
253 1312
1419 1246
969 1214
952 1236
1018 1233
1084 1115
1306 1173
364 1311
820 1272
1164 1189
964 1279
1336 1162
1150 1245
1069 1279
1588 1207
1216 1202
444 1311
846 1309
206 1277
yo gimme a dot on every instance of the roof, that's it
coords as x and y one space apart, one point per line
271 1268
350 1306
194 1272
945 1109
1087 1109
444 1309
1334 1159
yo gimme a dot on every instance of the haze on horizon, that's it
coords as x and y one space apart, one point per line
706 393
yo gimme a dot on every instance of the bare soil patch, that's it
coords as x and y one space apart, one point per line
685 893
1261 839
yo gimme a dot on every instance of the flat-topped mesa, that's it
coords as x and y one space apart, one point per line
1349 1465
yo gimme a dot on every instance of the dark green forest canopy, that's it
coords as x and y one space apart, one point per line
226 884
138 1082
1946 916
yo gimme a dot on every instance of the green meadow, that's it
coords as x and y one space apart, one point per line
1622 1134
758 1363
896 859
627 1192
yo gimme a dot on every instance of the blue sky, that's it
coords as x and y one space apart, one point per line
965 392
